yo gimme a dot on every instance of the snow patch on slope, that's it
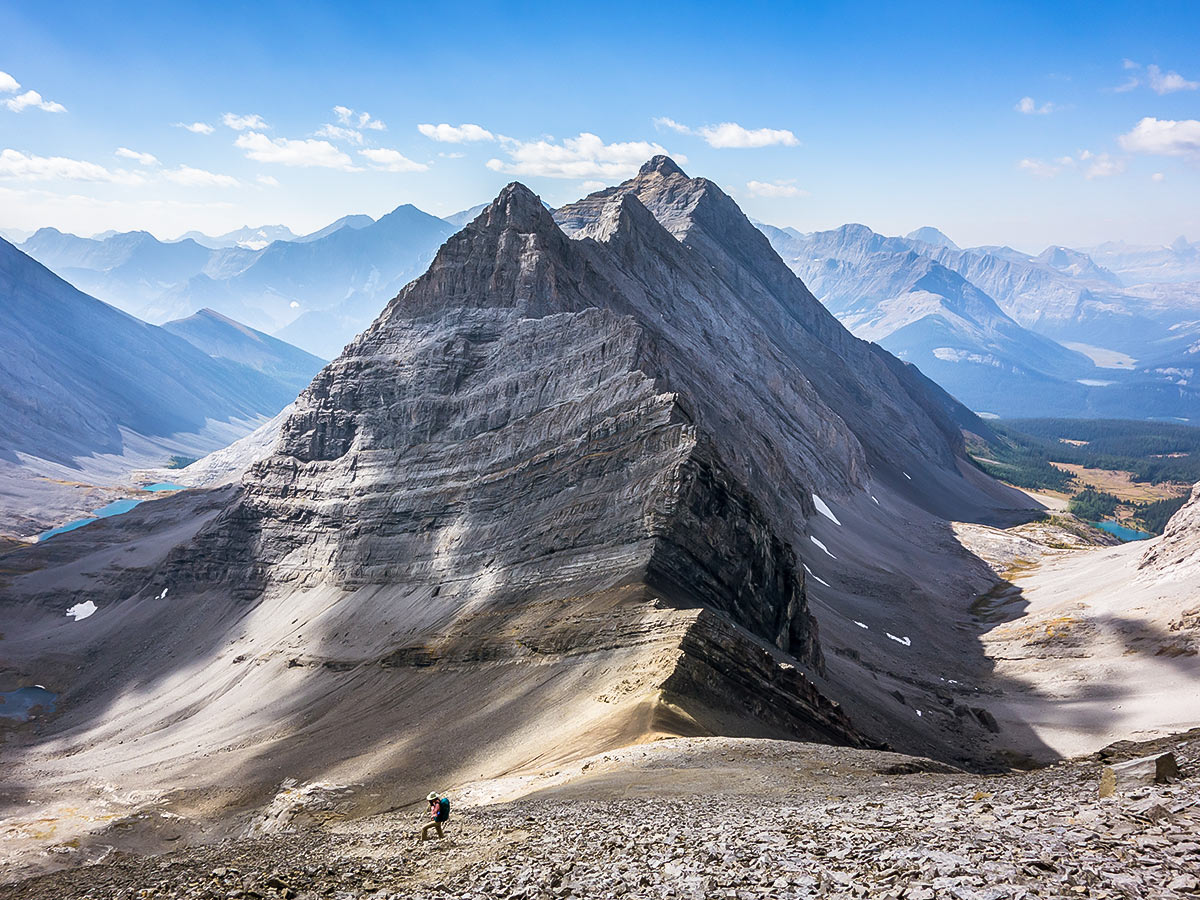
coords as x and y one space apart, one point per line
81 611
822 546
816 578
823 509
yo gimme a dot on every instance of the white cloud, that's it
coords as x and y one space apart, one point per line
664 122
391 160
1155 78
732 135
338 133
244 123
456 134
452 155
1039 167
10 85
190 177
268 180
146 159
775 188
1164 137
15 164
34 99
1168 82
1157 176
1027 106
1104 166
306 153
592 185
1098 165
581 157
347 116
196 127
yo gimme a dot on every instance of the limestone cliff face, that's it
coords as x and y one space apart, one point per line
507 431
636 401
894 416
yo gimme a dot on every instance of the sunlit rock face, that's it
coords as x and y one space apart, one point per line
633 403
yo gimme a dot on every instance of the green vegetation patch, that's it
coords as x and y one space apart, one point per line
1153 452
1093 506
180 462
1018 459
1153 517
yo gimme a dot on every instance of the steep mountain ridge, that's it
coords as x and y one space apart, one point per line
862 386
223 338
571 484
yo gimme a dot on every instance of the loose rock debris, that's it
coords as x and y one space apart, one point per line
908 833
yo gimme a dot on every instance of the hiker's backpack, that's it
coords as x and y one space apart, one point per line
443 812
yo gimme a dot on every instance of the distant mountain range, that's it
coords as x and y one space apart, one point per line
981 321
337 282
89 392
317 290
1000 328
247 238
1178 261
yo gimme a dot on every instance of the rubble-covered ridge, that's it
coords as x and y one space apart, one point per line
721 818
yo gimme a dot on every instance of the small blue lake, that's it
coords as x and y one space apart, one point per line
110 509
20 703
1125 534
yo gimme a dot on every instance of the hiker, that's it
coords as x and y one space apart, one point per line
439 812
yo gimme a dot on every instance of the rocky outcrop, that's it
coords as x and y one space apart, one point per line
1177 552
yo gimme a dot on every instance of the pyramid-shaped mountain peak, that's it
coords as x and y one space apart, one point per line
610 459
662 165
517 207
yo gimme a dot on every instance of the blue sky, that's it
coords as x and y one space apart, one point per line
811 115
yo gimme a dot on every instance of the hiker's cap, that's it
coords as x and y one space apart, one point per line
432 796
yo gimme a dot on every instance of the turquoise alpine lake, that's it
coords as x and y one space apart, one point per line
1125 534
110 509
